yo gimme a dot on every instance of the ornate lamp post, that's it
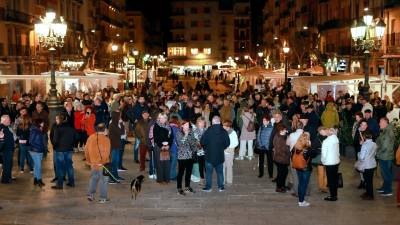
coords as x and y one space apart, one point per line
367 36
260 55
135 54
51 33
286 50
246 59
114 49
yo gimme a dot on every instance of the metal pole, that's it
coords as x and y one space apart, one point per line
135 74
365 88
115 66
53 90
286 69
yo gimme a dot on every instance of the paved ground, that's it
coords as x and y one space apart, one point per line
249 201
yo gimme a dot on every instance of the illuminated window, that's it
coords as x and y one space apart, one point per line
177 51
207 51
194 51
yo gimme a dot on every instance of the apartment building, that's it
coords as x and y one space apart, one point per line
326 23
204 33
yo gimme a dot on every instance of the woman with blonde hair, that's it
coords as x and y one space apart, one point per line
330 158
247 134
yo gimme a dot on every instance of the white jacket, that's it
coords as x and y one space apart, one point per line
330 154
293 137
366 157
233 138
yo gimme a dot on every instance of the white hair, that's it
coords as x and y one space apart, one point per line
216 120
4 117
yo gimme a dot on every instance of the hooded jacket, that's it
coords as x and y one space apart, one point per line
330 155
385 143
116 129
215 140
330 117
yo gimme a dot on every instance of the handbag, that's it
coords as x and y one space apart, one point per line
340 180
164 153
250 126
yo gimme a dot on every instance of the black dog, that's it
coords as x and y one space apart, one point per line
136 185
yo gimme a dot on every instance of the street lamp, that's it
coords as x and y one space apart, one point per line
286 50
367 36
246 58
114 49
260 55
51 33
135 54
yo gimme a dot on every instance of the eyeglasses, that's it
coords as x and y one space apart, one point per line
88 113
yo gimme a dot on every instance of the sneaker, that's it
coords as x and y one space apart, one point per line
250 158
304 204
206 190
195 179
152 176
21 171
239 158
90 198
112 182
380 190
122 169
181 192
189 189
31 171
386 194
103 201
221 189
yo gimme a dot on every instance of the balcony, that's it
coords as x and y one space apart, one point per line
75 26
15 16
334 24
111 21
113 4
20 50
391 3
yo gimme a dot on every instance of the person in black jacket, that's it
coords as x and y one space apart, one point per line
7 147
214 141
64 140
162 134
23 131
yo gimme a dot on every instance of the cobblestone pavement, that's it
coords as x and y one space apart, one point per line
250 200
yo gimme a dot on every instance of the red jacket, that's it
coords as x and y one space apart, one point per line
88 124
78 117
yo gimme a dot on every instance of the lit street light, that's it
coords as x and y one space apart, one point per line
286 50
135 54
367 36
114 49
260 55
246 58
51 33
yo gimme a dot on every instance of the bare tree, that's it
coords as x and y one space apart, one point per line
90 45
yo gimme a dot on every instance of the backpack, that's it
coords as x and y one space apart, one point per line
250 126
298 161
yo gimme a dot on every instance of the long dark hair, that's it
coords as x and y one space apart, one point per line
25 122
183 122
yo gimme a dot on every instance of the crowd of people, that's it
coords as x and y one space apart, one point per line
183 135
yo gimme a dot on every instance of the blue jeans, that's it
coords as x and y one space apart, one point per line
121 153
173 160
64 166
220 174
136 149
6 176
24 154
152 163
115 162
304 179
46 144
37 164
96 176
386 172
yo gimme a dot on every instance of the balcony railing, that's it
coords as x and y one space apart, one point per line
15 16
111 21
75 26
334 24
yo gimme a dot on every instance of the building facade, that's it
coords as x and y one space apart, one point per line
320 31
204 33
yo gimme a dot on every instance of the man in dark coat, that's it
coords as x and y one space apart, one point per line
214 141
7 148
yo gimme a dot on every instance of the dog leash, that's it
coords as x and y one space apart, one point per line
109 172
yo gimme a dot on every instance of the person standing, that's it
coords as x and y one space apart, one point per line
23 131
64 141
385 155
199 166
142 133
41 113
366 164
186 144
214 141
247 134
97 153
7 138
281 157
37 147
162 134
263 138
116 129
229 152
330 158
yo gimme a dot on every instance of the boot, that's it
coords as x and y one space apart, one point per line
35 181
361 185
40 183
